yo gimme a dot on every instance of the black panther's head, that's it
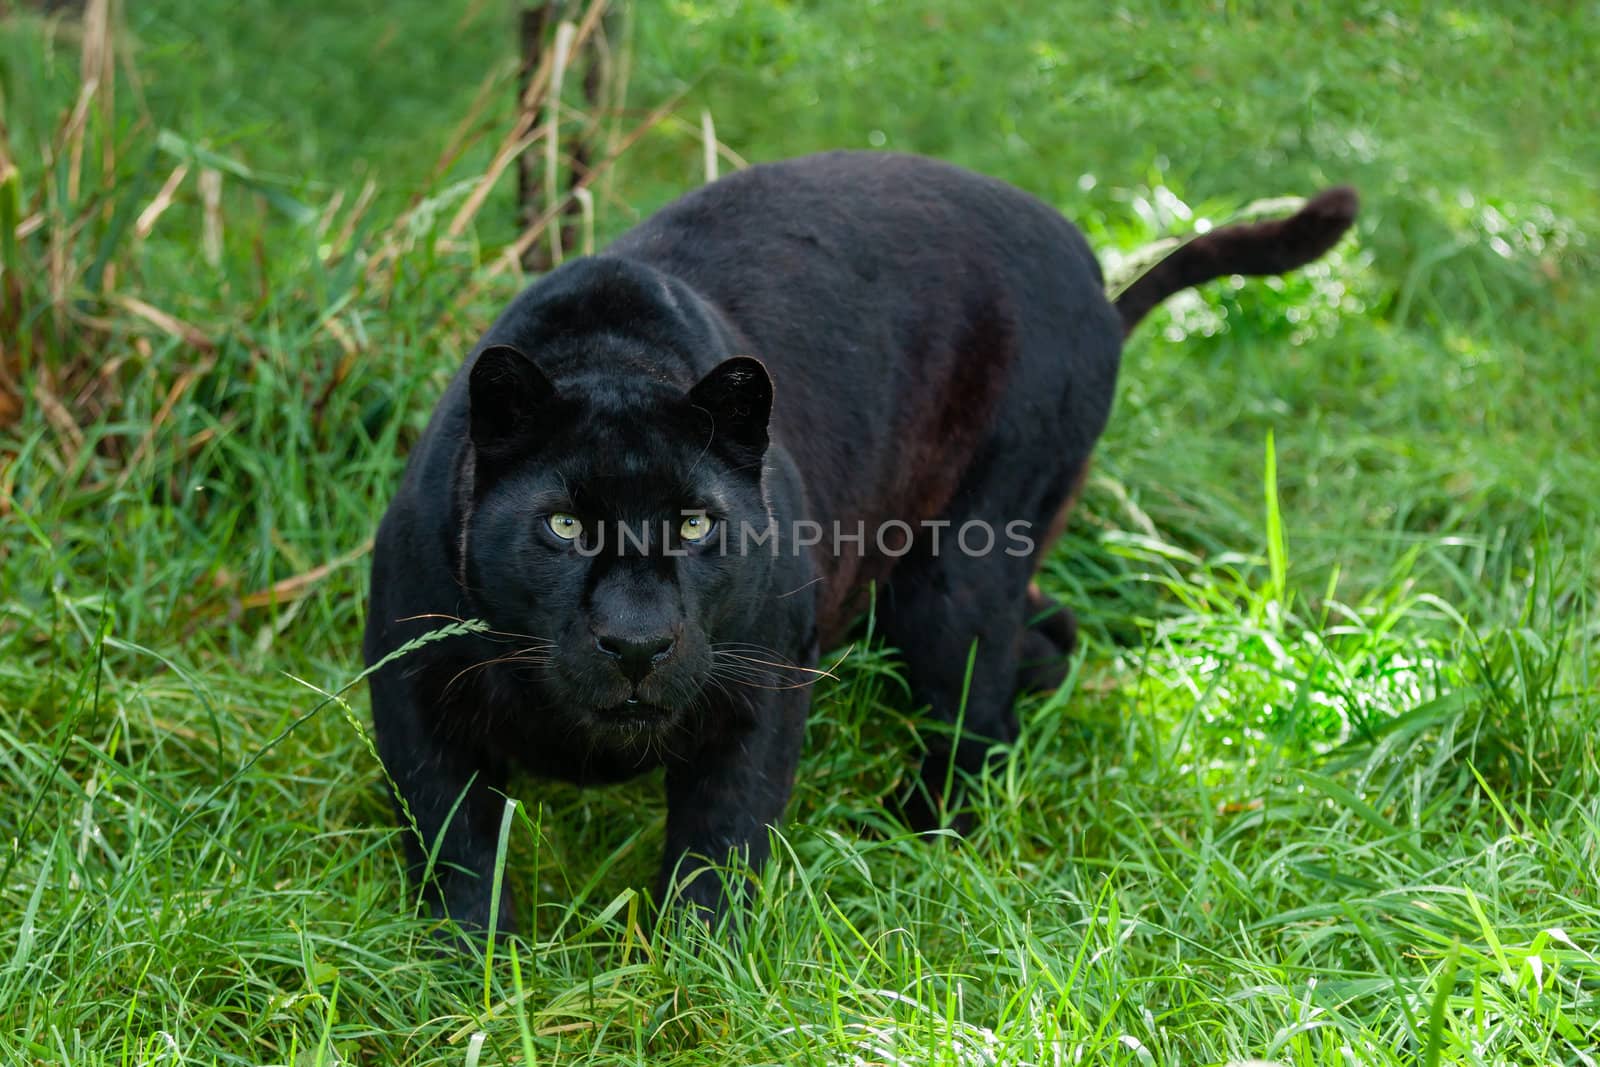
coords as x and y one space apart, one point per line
605 524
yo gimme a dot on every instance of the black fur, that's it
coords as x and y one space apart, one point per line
852 338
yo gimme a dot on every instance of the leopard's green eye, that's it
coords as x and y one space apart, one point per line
696 527
567 527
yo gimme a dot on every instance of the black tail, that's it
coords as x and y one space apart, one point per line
1244 248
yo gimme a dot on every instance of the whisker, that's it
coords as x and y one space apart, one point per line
529 656
716 681
749 680
819 671
798 589
745 646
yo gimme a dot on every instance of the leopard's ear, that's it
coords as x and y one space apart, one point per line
507 392
737 394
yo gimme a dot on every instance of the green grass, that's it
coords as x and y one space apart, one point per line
1322 788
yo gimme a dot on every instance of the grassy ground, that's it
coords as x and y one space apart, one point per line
1322 789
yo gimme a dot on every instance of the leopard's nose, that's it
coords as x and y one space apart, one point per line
636 656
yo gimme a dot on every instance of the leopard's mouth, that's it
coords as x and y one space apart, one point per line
635 712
